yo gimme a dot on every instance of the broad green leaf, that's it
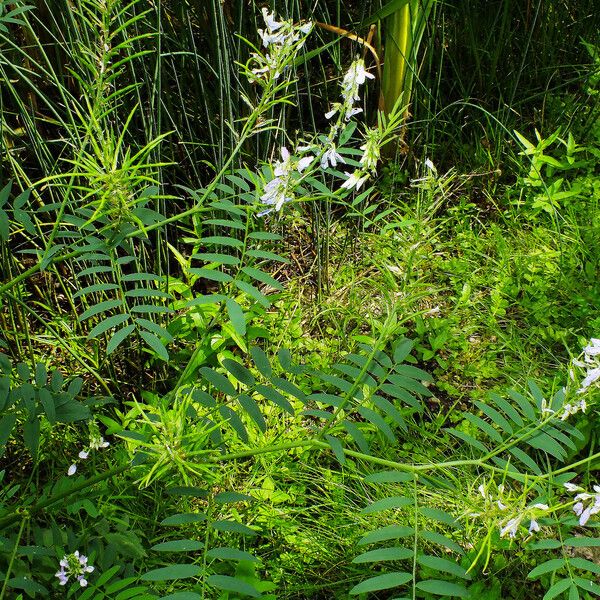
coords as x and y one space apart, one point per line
261 361
251 407
390 532
158 330
484 426
184 519
381 582
253 292
233 584
442 564
155 344
7 422
589 586
387 504
582 542
439 515
337 448
172 572
107 324
231 554
547 567
275 397
441 540
236 316
263 277
211 274
101 307
239 371
558 588
378 421
219 381
507 408
495 416
224 259
234 420
218 240
182 596
232 497
119 336
47 402
586 565
178 546
383 554
232 526
443 588
389 477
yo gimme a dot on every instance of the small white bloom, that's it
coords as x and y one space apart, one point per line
270 21
534 526
571 487
72 470
83 454
578 508
304 162
306 28
351 112
331 157
481 490
334 109
355 180
511 527
540 506
592 376
501 505
430 166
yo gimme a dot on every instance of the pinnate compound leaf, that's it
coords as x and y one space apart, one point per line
172 572
381 582
182 596
439 587
219 381
337 448
233 584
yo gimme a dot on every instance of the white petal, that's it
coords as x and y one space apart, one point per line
585 515
83 454
304 162
72 470
534 526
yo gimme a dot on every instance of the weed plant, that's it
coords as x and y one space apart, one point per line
236 365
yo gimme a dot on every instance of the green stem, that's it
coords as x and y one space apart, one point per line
12 556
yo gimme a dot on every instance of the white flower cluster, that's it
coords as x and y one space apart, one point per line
96 443
74 565
510 525
280 189
591 363
283 39
586 504
353 79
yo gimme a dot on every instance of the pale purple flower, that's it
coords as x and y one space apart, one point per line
534 526
72 470
571 487
511 527
270 22
83 454
74 565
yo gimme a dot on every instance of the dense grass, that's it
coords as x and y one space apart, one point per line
280 390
